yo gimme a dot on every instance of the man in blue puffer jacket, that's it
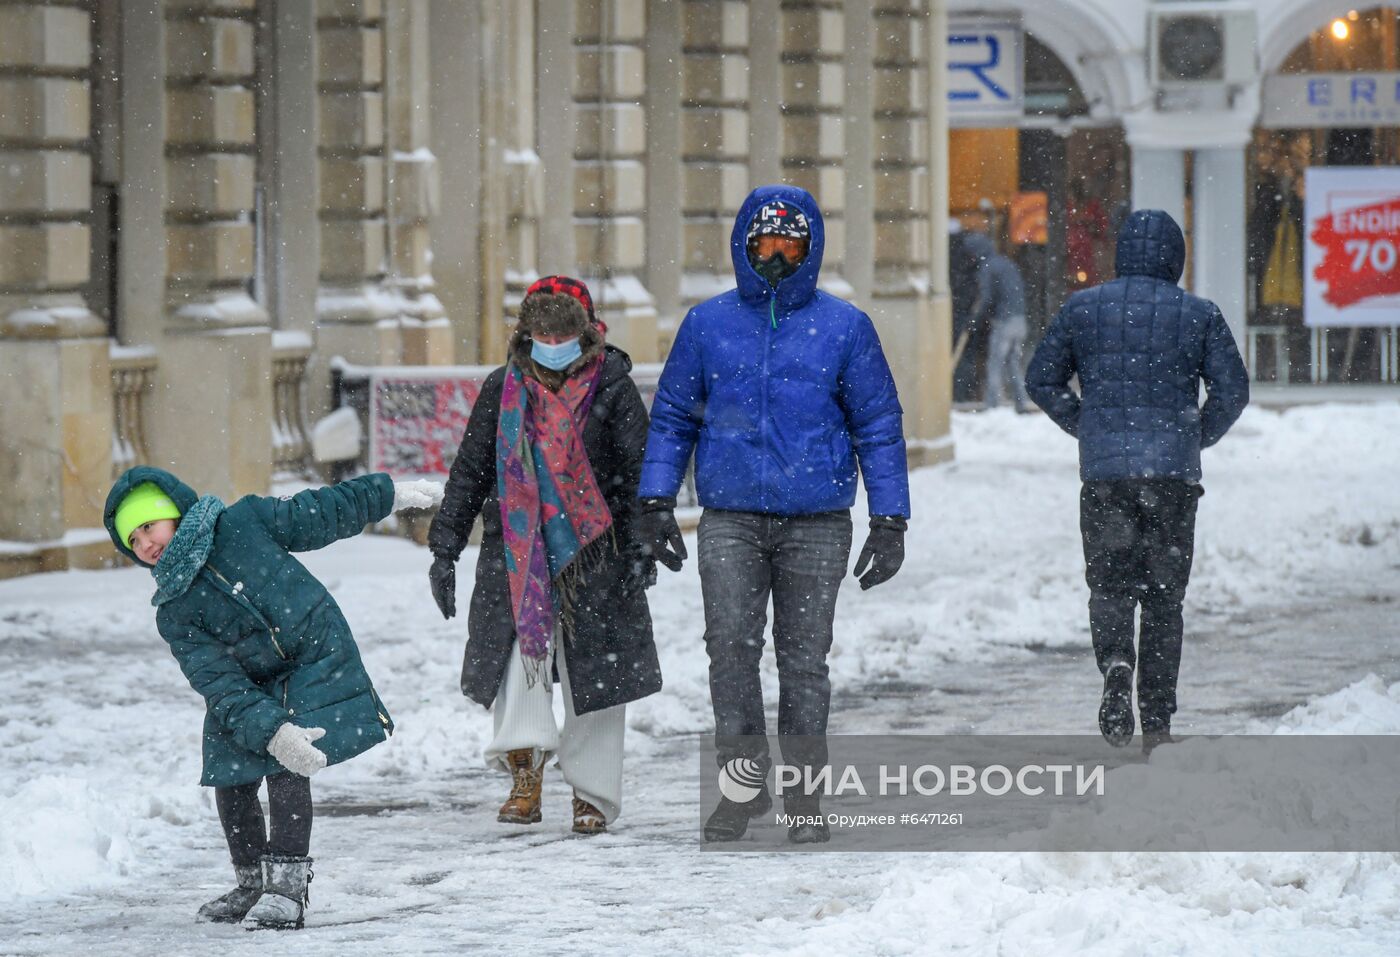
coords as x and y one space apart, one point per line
1141 346
780 389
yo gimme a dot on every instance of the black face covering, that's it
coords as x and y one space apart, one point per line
775 268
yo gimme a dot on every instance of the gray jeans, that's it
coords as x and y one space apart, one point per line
1004 362
800 560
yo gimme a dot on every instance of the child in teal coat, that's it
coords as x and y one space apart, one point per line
267 647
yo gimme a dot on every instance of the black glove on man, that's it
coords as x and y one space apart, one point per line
883 551
442 578
657 529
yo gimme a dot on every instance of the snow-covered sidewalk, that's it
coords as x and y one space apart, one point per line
107 845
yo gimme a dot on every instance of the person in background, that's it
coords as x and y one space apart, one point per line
1141 347
1001 304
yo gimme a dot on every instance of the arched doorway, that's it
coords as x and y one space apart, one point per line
1352 49
1067 155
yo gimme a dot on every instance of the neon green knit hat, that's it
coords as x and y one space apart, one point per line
145 503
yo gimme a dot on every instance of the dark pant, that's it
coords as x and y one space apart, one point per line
800 560
1139 535
241 814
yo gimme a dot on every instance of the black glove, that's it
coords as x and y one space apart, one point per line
657 529
442 577
883 551
640 572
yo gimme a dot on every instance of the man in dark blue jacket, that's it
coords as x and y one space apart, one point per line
1140 346
780 389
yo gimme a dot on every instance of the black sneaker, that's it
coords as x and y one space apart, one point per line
730 820
1116 709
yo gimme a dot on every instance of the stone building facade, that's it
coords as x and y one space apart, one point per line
204 202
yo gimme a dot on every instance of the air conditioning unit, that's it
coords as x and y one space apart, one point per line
1196 43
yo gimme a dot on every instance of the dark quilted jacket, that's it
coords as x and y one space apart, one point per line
258 636
1141 346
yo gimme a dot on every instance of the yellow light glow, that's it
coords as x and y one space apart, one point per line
1340 30
1082 276
1353 16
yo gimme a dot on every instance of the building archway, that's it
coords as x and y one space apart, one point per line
1291 138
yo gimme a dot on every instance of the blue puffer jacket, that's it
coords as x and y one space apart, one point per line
779 392
1140 346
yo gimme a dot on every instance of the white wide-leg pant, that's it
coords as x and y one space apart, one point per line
589 749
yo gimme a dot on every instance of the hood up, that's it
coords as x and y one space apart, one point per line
181 494
795 290
1150 244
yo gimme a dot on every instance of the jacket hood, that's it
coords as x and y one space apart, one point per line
1151 244
181 494
796 289
979 246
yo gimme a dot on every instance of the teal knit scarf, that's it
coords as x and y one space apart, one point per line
187 551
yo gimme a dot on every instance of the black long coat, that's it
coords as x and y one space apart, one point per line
612 656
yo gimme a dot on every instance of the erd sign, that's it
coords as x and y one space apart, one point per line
1352 261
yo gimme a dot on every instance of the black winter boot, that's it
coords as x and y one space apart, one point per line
286 893
231 907
810 825
1116 709
730 819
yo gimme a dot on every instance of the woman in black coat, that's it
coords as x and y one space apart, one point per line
586 623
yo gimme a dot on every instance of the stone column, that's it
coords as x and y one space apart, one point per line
518 231
609 195
356 316
212 410
289 174
813 135
666 25
412 184
765 92
1218 186
910 296
1159 179
714 142
928 405
55 389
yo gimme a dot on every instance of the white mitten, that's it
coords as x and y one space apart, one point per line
419 494
292 747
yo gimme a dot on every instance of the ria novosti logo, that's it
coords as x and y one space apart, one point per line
741 779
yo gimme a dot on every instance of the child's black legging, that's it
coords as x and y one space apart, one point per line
241 814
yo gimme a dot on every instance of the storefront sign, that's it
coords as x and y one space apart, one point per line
416 420
1352 261
985 67
1330 99
1029 223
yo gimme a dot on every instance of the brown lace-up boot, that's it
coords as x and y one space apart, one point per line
587 818
523 805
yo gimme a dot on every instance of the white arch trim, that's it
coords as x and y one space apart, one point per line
1095 40
1283 24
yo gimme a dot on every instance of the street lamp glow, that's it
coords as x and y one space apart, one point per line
1340 30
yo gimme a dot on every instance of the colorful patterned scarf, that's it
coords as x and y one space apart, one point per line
551 508
188 550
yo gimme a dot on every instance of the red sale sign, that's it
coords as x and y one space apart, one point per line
417 417
1353 254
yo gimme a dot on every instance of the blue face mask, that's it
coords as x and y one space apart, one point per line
558 357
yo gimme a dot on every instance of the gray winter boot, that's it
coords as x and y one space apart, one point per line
231 908
285 894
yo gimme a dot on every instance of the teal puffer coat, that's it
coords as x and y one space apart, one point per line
258 636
